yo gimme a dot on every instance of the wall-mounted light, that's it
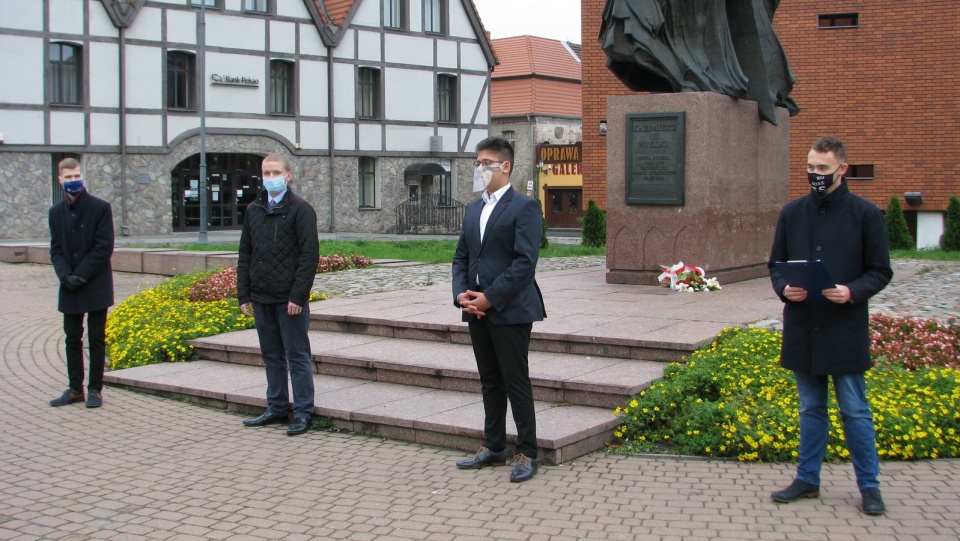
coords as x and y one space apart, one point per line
913 198
603 127
541 169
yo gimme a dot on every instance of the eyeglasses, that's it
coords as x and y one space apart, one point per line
486 163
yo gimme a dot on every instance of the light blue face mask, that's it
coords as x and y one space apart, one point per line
274 185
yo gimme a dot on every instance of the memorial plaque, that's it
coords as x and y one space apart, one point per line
655 158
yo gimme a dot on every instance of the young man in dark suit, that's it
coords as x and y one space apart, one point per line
81 244
494 286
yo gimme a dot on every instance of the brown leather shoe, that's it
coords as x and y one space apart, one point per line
68 397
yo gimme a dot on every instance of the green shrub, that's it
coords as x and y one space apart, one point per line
951 236
897 231
732 399
593 225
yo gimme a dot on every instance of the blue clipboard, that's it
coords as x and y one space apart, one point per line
810 275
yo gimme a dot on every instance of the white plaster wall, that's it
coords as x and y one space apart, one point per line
100 23
283 37
21 15
408 138
460 23
416 15
368 14
144 77
285 8
104 74
67 128
310 43
233 5
181 26
146 26
447 55
66 16
236 32
145 130
929 228
450 139
474 137
344 97
314 136
286 129
22 127
236 99
313 88
177 125
371 137
471 57
23 56
409 94
346 47
104 129
413 50
471 91
368 47
345 136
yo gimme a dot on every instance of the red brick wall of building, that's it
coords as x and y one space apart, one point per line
889 88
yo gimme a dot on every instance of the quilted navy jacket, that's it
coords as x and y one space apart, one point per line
279 251
848 234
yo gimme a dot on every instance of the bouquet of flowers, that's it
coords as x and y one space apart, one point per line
682 277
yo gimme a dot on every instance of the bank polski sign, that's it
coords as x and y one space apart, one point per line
229 80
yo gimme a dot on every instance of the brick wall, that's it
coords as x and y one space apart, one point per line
889 88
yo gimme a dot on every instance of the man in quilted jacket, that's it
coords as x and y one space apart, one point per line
279 249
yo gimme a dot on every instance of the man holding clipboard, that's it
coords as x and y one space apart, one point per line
835 243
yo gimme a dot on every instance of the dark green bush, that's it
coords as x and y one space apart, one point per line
951 236
593 225
897 231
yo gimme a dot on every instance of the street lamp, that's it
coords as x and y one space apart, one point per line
202 238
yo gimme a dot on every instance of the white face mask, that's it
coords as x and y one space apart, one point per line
482 177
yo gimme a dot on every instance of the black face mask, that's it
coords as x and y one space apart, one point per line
819 183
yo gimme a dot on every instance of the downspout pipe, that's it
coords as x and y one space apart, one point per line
330 138
533 157
124 224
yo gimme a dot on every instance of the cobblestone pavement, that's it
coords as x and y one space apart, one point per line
143 467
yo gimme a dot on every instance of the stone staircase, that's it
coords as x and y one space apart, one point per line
417 381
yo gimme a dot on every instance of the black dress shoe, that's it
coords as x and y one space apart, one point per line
797 489
484 457
872 502
524 470
299 426
266 419
68 397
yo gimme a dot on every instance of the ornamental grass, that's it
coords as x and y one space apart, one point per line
732 399
154 325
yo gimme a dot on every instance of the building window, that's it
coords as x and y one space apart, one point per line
394 14
368 183
208 3
447 98
368 93
65 73
839 20
434 15
56 190
281 87
445 188
860 172
255 6
181 77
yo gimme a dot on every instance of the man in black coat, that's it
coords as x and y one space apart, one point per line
494 286
81 243
279 251
830 338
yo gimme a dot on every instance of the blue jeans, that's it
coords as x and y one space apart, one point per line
858 427
283 340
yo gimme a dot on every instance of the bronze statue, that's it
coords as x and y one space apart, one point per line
724 46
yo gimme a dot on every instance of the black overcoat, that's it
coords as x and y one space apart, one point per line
848 234
81 243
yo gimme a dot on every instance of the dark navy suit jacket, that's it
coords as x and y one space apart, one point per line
505 261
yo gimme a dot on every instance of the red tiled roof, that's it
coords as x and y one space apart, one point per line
338 10
530 55
516 97
536 76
